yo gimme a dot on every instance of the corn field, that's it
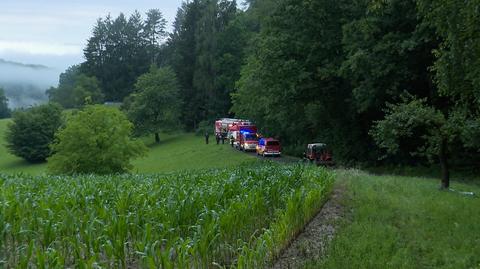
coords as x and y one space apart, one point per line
232 218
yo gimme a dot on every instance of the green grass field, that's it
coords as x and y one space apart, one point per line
405 222
175 152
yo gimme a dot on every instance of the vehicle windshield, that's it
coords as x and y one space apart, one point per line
273 143
250 137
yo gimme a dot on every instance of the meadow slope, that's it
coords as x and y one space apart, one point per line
405 222
176 152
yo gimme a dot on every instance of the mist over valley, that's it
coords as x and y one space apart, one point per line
25 84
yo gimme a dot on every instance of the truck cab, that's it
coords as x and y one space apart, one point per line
269 147
248 141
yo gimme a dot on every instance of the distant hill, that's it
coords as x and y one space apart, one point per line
17 64
25 84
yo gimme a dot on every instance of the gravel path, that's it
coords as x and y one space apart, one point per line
313 241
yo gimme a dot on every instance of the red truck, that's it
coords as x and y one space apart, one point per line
243 135
248 140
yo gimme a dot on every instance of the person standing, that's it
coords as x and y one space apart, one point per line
206 137
217 137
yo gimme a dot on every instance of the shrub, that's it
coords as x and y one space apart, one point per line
31 132
95 140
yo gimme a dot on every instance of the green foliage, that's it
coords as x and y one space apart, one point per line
432 131
155 32
4 110
206 51
95 140
404 222
122 49
238 218
457 65
31 132
387 51
155 104
75 89
412 119
290 84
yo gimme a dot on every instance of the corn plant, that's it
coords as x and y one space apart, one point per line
238 218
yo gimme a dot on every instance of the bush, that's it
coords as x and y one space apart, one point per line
95 140
31 132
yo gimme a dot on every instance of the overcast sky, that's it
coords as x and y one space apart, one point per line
54 32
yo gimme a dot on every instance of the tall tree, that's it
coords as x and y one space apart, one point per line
182 44
155 104
289 84
457 65
415 119
387 51
155 32
117 54
206 55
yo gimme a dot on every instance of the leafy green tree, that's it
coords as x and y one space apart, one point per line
182 46
75 88
95 140
31 132
414 119
156 104
457 65
4 110
119 51
206 52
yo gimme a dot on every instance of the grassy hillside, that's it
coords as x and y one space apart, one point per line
186 152
175 152
405 222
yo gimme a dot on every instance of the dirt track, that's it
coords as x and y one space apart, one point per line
312 243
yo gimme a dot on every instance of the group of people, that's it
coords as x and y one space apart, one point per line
218 138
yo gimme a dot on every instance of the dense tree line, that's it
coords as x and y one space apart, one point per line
376 80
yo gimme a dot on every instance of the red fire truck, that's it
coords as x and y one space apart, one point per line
222 126
248 139
243 135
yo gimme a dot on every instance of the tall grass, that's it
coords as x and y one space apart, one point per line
405 222
220 218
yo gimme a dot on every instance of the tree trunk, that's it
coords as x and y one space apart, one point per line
444 165
157 138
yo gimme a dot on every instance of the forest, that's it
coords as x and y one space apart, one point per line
381 82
